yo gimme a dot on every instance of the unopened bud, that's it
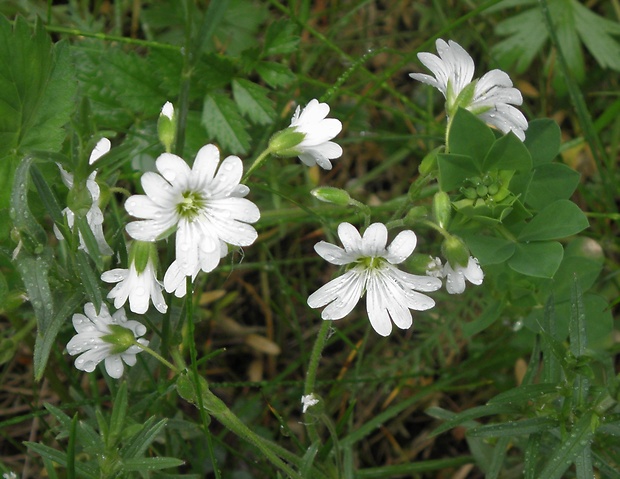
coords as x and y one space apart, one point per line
120 338
455 251
442 209
167 126
429 163
329 194
284 142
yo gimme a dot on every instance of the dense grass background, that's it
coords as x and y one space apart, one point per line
252 321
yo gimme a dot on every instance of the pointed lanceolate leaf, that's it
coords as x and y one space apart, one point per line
46 338
557 220
224 123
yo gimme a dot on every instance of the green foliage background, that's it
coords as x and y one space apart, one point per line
535 356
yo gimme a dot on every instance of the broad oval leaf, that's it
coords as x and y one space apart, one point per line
560 219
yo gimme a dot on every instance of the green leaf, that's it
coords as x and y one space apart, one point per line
562 12
574 23
89 278
551 182
85 470
474 413
557 220
46 338
281 37
490 249
541 260
469 136
36 95
508 153
275 74
579 438
224 123
514 428
140 464
119 412
486 319
543 140
454 169
253 102
139 442
595 32
36 88
526 34
524 394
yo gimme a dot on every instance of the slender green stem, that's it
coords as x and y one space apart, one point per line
189 315
157 356
257 162
110 38
313 365
365 209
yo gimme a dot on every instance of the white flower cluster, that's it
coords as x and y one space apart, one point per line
205 206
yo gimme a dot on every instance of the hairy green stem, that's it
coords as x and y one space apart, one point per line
313 365
257 162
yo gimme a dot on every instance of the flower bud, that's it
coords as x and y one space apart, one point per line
442 209
120 338
329 194
283 143
455 251
140 253
79 199
429 163
167 126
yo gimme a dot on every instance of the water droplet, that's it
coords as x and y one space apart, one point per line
140 291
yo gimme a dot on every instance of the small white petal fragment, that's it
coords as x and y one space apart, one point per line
493 96
97 340
390 292
308 401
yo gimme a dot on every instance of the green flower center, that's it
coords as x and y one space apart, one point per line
191 205
370 262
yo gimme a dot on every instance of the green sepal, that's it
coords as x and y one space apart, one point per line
284 143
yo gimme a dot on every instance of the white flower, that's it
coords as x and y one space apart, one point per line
316 147
94 216
455 277
167 110
307 401
9 475
492 96
391 293
105 338
138 287
206 208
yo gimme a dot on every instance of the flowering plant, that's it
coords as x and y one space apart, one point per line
262 202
